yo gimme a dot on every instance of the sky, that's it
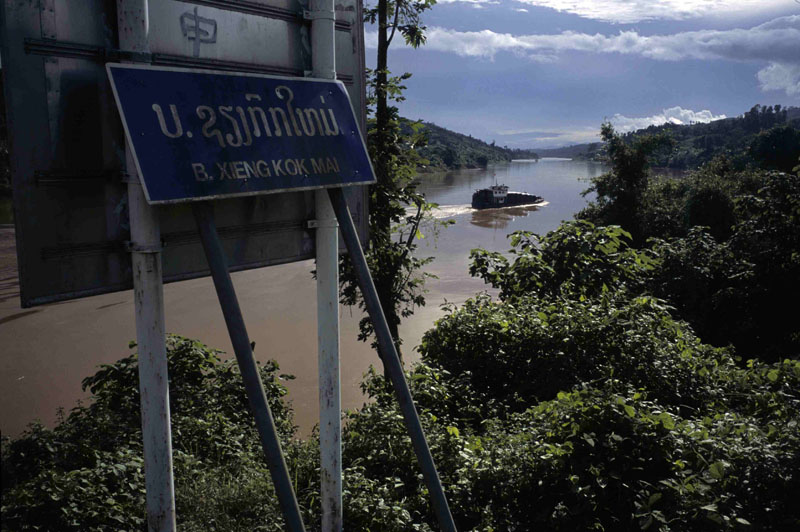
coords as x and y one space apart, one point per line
547 73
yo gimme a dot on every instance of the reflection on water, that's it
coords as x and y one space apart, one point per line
501 218
498 218
559 181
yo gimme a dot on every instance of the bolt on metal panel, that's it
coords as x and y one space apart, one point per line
67 145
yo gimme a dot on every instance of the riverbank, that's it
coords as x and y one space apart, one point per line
42 372
48 350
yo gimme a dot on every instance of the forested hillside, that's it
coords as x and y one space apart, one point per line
576 151
696 144
447 149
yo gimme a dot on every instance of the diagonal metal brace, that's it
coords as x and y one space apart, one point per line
392 361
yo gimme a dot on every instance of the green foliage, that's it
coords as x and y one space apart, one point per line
597 460
447 149
728 278
622 451
619 192
699 143
406 17
725 238
87 473
394 232
575 257
396 273
777 148
668 434
526 350
704 280
590 396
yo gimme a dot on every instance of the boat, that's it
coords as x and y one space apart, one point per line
498 196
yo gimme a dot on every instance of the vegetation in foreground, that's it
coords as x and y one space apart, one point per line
635 372
571 403
727 240
582 398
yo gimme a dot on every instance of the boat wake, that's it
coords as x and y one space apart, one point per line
448 211
442 212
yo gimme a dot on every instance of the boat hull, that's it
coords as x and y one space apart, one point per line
483 199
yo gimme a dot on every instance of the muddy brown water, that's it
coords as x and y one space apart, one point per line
46 351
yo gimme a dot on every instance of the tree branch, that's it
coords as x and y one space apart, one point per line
394 24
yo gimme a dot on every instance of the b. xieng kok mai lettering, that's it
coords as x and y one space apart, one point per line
261 168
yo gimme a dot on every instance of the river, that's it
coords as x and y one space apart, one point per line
46 351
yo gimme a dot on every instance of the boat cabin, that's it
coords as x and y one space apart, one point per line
499 193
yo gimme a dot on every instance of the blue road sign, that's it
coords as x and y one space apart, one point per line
203 134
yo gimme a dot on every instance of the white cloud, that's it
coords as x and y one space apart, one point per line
781 77
629 11
774 42
673 115
521 10
468 2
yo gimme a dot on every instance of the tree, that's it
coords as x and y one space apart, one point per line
393 232
777 148
619 191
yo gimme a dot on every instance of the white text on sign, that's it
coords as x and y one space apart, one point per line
240 125
263 169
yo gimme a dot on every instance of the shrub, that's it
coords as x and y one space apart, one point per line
87 472
577 258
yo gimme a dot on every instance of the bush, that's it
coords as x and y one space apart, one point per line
518 353
608 455
598 460
87 472
575 258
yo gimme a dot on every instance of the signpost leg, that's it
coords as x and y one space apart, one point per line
391 360
330 420
204 215
153 381
323 66
148 292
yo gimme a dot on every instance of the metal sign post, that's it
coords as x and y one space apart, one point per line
323 63
81 209
204 214
148 291
196 162
68 147
392 361
307 136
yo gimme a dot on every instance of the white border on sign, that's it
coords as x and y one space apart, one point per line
140 66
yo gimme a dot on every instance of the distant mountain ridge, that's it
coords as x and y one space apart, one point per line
448 149
571 152
699 142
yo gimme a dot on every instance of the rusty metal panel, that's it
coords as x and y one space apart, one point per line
67 145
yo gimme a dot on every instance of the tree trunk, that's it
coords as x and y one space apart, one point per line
382 226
